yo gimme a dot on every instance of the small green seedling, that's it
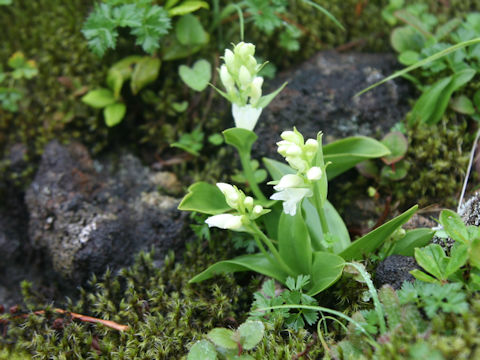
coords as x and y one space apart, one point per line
228 344
466 250
198 76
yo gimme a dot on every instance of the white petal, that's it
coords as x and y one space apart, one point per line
291 197
245 116
289 181
231 195
225 221
315 173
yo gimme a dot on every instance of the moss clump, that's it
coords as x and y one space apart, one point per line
166 315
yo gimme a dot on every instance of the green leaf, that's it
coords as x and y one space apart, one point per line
458 258
321 186
337 227
420 275
100 29
251 333
447 28
454 226
114 113
475 253
346 153
187 7
202 350
204 198
265 100
6 2
145 72
198 76
294 243
173 50
222 337
425 61
241 139
155 24
326 270
395 172
408 57
120 72
189 31
99 98
371 241
432 258
462 105
256 262
397 143
413 239
406 38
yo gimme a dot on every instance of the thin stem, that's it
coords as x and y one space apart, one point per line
320 210
248 171
467 175
273 250
262 248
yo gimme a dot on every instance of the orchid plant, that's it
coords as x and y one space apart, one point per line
297 231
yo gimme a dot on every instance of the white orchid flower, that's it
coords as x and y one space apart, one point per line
245 117
291 197
231 194
226 221
314 173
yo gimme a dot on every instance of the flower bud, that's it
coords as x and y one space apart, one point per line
226 221
314 173
230 193
293 137
311 147
245 49
289 181
297 163
294 150
248 202
256 89
229 58
227 79
244 77
257 210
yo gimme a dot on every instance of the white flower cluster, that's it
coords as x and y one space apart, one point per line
244 87
300 155
244 205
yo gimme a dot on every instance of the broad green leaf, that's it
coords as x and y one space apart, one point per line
145 72
187 7
420 275
265 100
189 31
202 350
6 2
406 38
198 76
425 108
475 253
294 243
114 113
321 186
204 198
425 61
395 172
256 262
408 57
458 258
446 29
413 239
326 270
371 241
432 259
173 50
346 153
397 143
222 338
120 72
276 169
251 333
241 139
99 98
454 226
462 105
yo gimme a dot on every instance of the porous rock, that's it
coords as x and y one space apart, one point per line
89 215
394 270
320 97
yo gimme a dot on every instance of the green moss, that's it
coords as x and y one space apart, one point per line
166 315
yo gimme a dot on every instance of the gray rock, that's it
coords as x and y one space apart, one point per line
89 215
320 97
470 210
394 270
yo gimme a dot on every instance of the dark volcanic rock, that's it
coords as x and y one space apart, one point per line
92 215
394 270
319 97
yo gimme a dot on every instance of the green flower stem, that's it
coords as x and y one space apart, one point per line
273 250
374 294
321 213
249 175
262 249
